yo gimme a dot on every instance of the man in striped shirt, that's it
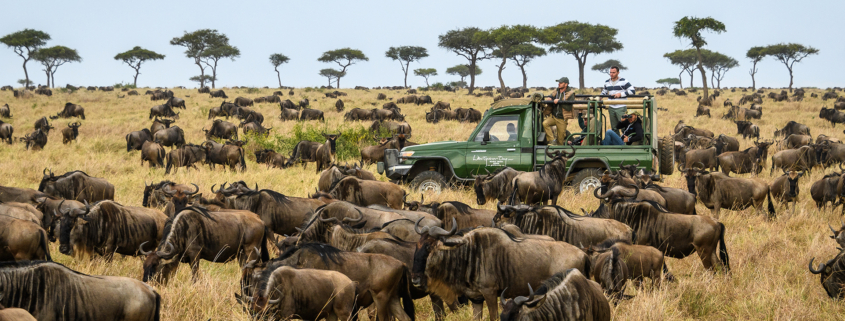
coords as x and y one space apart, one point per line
618 88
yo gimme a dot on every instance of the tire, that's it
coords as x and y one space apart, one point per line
666 155
429 181
586 180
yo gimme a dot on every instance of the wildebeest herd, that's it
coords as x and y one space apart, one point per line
358 245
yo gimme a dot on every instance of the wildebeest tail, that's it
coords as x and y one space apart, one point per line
587 267
241 157
128 147
771 206
157 316
512 200
265 255
322 118
723 249
405 295
169 163
45 245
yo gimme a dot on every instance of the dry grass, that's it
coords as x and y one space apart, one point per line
769 278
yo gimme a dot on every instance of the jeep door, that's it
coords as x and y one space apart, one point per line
503 148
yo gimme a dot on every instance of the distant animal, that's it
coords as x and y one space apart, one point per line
70 133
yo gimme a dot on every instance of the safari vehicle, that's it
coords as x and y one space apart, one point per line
511 134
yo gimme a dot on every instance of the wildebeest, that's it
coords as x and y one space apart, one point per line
685 130
22 93
469 115
452 211
793 127
795 141
303 103
135 140
174 102
338 105
43 125
163 111
426 99
452 266
392 114
255 128
642 261
676 235
325 154
746 161
358 114
71 110
544 185
304 151
707 157
195 234
153 153
241 101
568 295
279 213
436 115
392 127
829 189
36 140
832 115
230 154
23 240
107 228
171 137
561 224
330 294
365 192
374 154
271 158
747 129
76 185
801 158
159 124
496 185
289 114
785 188
221 129
831 275
74 295
155 195
186 155
204 90
729 144
5 112
218 94
311 114
6 131
702 111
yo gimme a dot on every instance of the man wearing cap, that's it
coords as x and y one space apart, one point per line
632 131
618 88
561 113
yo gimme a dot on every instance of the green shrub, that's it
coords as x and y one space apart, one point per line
126 85
352 139
252 90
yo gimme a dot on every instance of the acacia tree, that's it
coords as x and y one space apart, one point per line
137 56
580 40
684 59
425 73
719 64
504 40
344 58
462 71
668 82
690 28
605 66
755 54
24 43
212 55
789 54
467 43
406 55
277 60
54 57
196 43
332 74
522 54
201 79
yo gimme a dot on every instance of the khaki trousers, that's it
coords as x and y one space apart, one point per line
561 127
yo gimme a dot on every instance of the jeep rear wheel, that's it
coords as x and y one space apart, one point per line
666 155
587 180
429 181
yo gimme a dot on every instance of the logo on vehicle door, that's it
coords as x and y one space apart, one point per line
492 161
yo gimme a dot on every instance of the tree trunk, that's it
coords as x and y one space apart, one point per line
426 82
703 75
581 63
26 74
135 83
48 78
471 75
213 74
337 84
681 79
406 74
502 81
752 72
53 77
790 79
279 77
524 77
202 74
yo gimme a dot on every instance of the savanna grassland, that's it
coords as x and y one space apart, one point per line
768 279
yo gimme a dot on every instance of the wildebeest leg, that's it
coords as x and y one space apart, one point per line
477 310
382 303
708 256
397 311
195 270
492 299
437 307
716 208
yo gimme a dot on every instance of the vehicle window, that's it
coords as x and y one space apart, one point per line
501 128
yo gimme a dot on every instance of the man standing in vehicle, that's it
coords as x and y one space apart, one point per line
560 113
619 88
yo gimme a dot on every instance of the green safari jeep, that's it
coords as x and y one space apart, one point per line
511 134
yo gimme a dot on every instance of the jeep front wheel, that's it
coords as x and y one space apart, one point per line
586 180
429 181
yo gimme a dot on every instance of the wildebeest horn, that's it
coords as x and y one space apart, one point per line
276 301
502 297
45 169
636 192
438 232
166 252
520 300
821 267
327 220
417 227
596 193
638 163
196 189
550 155
212 189
350 220
500 207
141 249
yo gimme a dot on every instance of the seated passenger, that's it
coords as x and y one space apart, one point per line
512 135
632 131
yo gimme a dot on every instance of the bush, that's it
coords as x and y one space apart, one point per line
252 90
126 85
348 146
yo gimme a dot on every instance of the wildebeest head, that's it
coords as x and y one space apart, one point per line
792 177
331 139
178 198
48 182
691 174
153 263
617 194
629 170
838 235
510 212
75 128
429 236
512 308
831 275
66 224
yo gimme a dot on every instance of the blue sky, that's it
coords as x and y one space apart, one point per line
304 30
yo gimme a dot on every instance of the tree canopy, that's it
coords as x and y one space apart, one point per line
53 57
789 54
331 74
137 56
468 43
406 55
756 54
521 55
580 40
201 79
344 58
686 59
425 73
690 28
719 64
213 54
196 43
605 66
462 71
668 82
24 43
277 60
503 40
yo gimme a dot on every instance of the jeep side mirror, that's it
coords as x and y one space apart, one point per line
485 138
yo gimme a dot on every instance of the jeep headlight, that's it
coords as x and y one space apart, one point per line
406 154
